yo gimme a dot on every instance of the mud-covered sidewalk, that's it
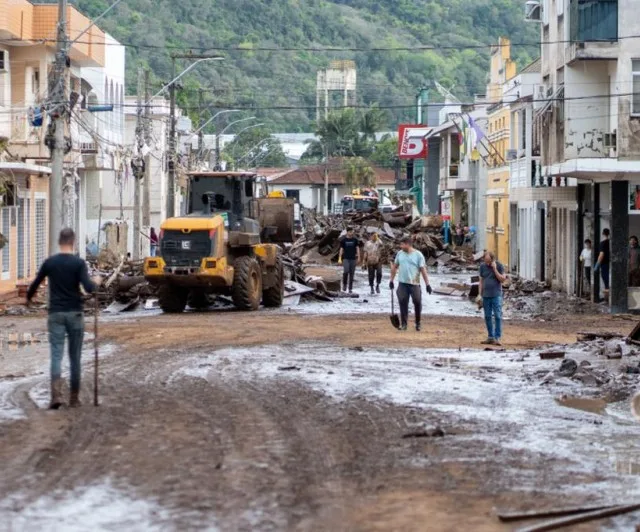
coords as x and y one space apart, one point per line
299 420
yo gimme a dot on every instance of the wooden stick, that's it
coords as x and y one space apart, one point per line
506 516
95 348
582 518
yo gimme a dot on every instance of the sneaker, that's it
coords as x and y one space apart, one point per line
496 341
488 341
418 327
403 327
378 289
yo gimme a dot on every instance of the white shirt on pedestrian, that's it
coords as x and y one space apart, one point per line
587 257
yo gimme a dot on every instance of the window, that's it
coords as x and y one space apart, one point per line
41 231
5 228
635 108
295 194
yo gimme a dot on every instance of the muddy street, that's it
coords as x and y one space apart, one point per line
305 420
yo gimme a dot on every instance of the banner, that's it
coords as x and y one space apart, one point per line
411 141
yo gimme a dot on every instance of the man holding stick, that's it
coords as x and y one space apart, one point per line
66 273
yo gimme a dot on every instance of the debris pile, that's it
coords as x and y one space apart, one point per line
536 300
124 286
602 366
320 241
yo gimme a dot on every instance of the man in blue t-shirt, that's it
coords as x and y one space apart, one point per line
491 278
410 266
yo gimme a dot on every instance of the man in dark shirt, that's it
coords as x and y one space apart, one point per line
66 273
349 257
604 257
491 278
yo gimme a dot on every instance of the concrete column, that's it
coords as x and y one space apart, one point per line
619 240
595 240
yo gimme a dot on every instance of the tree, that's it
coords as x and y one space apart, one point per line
385 151
254 148
359 173
372 121
346 134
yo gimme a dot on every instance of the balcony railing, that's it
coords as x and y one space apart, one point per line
594 20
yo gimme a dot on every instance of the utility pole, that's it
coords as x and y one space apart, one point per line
326 180
171 185
138 171
171 192
200 132
55 136
146 185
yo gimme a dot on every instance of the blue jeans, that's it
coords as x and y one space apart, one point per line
493 309
604 273
70 324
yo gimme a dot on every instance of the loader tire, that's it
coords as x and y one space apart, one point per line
274 295
172 299
198 300
247 284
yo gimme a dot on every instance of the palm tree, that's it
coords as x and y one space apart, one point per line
359 174
372 121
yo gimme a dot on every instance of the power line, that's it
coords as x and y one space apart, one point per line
318 49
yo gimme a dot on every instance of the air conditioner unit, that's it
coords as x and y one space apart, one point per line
4 61
533 11
539 96
512 155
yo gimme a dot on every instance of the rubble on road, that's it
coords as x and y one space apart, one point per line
319 245
123 286
611 374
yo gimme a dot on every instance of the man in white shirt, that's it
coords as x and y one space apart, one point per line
586 258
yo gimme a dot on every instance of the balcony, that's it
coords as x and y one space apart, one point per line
594 30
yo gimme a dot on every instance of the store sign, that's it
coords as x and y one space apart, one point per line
411 141
446 209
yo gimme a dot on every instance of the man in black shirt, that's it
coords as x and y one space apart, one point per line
349 257
66 273
604 256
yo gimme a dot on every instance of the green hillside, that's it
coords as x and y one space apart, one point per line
266 80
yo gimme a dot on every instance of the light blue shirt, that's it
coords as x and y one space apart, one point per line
409 266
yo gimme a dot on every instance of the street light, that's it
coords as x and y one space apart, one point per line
171 185
214 117
185 71
218 167
253 148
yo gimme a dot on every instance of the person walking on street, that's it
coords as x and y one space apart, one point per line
349 257
409 264
66 273
586 258
153 242
491 278
372 262
604 256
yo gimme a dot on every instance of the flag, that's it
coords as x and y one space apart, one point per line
476 133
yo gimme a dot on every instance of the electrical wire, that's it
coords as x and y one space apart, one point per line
318 49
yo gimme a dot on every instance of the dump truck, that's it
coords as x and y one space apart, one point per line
226 244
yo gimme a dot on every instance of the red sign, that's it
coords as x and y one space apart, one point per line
411 141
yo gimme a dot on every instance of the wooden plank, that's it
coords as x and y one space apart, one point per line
581 518
506 516
550 355
635 334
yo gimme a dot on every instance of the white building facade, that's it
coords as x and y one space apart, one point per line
589 131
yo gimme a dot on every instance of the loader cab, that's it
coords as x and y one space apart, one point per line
231 193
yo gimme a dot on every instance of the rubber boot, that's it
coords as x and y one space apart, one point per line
74 399
56 394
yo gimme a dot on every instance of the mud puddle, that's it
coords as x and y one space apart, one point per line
471 386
